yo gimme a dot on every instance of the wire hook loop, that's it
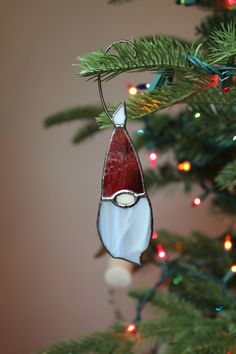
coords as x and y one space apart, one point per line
125 41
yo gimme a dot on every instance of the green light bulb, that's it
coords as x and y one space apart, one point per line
140 132
177 280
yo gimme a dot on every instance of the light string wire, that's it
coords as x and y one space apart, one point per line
211 69
166 273
208 190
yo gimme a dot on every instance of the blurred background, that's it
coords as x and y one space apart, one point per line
51 287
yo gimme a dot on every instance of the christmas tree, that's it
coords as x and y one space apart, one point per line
194 294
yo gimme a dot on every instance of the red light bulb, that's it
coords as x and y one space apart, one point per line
161 252
228 4
153 156
215 81
225 89
154 235
131 328
196 202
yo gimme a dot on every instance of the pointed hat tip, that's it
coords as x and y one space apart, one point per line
122 106
119 117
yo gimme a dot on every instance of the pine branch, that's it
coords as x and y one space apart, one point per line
214 96
181 92
85 132
226 179
187 335
215 115
149 102
159 53
185 329
72 114
215 22
162 52
99 343
222 46
165 96
169 239
144 55
161 177
204 291
193 250
168 302
199 244
224 203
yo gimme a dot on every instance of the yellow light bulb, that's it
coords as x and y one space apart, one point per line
233 268
184 166
133 91
228 245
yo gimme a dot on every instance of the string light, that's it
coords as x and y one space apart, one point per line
225 89
178 247
219 308
230 4
196 202
154 235
228 243
184 166
186 2
140 132
133 90
161 252
233 268
230 274
153 156
234 138
141 87
197 115
215 80
131 328
177 280
225 81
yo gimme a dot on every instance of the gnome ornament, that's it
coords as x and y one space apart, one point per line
125 215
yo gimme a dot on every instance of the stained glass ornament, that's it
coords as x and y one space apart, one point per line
125 216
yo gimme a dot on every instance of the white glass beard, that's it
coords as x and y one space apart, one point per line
125 232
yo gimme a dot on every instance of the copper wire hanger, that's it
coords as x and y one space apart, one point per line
125 41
